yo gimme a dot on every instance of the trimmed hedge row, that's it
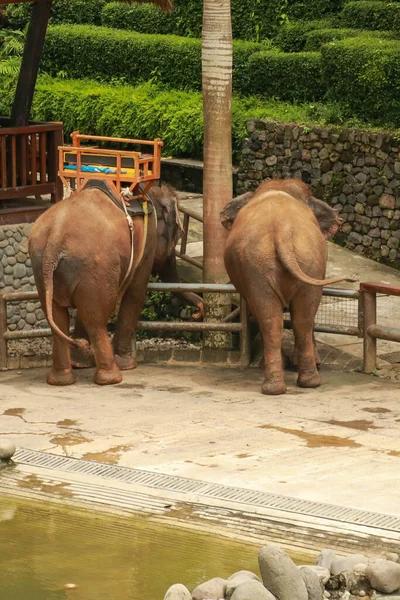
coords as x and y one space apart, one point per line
143 112
292 36
364 73
251 20
316 39
108 54
63 11
292 77
313 9
372 15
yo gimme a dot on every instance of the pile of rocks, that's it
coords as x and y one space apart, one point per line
335 577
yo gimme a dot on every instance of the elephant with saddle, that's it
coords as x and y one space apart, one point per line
276 257
83 257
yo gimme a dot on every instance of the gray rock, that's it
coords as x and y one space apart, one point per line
177 592
325 558
280 575
248 574
252 590
384 575
19 271
392 555
237 579
7 449
213 589
312 583
347 563
31 318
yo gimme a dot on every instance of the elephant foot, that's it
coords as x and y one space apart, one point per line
103 377
125 363
65 377
273 388
309 380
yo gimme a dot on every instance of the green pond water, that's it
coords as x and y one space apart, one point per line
44 546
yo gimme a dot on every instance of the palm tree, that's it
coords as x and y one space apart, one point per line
217 178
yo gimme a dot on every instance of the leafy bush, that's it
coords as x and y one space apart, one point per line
372 15
63 11
313 9
252 20
145 112
315 39
292 36
108 54
364 73
293 77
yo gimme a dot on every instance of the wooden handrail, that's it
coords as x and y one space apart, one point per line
380 288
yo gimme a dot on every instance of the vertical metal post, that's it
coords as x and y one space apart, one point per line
244 334
370 342
3 329
185 233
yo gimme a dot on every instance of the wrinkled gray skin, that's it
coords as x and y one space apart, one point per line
169 230
327 217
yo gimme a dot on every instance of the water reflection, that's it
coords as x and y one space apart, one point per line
44 546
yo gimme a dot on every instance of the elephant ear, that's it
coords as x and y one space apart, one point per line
231 209
168 201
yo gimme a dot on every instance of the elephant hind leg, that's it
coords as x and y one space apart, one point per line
269 314
95 322
61 372
303 309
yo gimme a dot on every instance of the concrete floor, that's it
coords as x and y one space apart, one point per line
338 444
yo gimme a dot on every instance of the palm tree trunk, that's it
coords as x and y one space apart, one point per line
217 180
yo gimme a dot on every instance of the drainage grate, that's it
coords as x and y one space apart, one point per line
392 357
174 483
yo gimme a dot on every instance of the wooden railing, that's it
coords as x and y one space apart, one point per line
29 160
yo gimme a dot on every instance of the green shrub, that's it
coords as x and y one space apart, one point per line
315 39
108 54
372 15
292 77
144 112
252 20
364 73
313 9
63 11
292 36
142 18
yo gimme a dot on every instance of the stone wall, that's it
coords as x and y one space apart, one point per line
356 171
16 276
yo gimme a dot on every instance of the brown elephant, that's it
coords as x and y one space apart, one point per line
169 229
80 250
276 257
327 217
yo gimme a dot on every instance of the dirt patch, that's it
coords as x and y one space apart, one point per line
110 456
316 440
361 424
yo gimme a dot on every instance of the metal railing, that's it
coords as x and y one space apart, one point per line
373 331
365 328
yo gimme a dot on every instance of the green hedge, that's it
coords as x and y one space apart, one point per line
292 77
292 36
143 112
111 55
316 39
252 20
313 9
372 15
63 11
364 73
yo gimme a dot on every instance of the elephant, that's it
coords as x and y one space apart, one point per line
276 256
169 227
327 217
80 250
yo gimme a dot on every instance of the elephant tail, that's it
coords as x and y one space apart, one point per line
50 262
288 258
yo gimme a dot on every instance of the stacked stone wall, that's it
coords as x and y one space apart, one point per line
16 276
355 171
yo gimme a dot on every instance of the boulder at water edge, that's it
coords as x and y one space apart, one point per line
178 592
280 575
243 572
213 589
325 558
313 583
234 581
341 564
252 590
384 575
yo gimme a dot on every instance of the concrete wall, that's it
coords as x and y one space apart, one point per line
356 171
16 276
